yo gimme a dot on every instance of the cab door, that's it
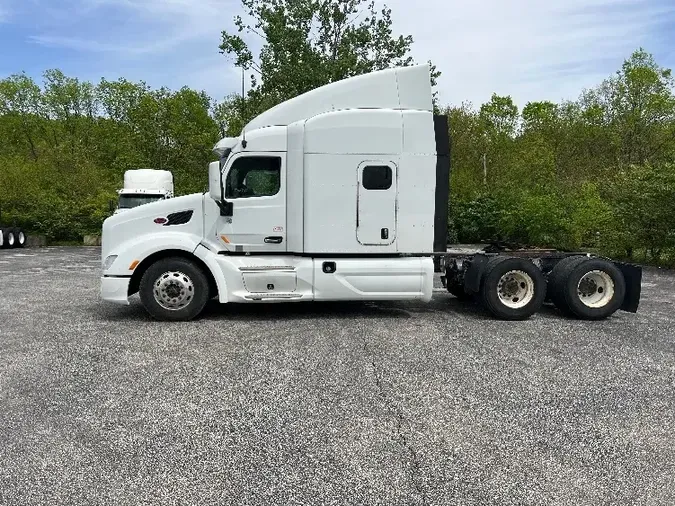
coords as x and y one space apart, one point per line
254 184
376 203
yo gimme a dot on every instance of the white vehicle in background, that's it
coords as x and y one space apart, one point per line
143 186
338 194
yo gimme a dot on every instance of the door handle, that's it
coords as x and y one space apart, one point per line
275 239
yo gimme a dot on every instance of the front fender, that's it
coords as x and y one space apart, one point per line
133 251
210 260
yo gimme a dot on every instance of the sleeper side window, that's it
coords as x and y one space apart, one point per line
253 176
377 177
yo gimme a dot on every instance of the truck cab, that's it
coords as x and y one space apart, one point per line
328 196
143 186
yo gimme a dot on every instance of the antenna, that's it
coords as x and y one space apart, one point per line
243 104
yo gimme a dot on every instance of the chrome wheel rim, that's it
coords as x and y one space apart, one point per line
173 290
595 289
22 238
10 239
515 289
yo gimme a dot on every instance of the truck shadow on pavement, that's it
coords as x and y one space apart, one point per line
441 304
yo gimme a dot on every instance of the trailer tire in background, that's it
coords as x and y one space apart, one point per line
512 288
20 238
8 238
588 288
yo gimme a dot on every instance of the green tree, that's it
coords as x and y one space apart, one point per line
22 110
638 105
499 120
309 43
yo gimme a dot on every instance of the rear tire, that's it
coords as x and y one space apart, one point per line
512 288
556 282
589 288
174 289
20 238
9 240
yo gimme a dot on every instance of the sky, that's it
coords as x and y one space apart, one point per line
529 49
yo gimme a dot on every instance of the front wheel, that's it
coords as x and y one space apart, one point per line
513 288
174 289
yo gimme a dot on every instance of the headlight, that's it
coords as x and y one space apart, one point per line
109 261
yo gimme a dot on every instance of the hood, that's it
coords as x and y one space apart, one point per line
141 219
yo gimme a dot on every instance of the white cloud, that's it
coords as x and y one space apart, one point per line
164 42
147 26
530 49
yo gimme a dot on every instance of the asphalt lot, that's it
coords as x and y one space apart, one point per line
326 403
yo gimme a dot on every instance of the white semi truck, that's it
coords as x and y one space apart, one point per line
338 194
143 186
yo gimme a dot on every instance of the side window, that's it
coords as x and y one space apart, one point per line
253 176
377 177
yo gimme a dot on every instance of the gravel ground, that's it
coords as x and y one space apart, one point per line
340 404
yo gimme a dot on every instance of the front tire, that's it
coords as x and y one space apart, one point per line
512 288
174 289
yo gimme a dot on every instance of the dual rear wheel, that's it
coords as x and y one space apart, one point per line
587 288
512 288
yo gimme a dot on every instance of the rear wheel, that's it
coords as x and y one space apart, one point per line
174 289
556 282
20 237
589 288
512 288
9 239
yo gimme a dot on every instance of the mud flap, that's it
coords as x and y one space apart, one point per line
633 276
474 274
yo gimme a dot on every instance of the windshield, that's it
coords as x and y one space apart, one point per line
129 201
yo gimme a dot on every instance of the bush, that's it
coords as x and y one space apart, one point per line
541 217
642 204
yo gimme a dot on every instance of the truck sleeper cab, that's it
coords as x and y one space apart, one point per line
338 194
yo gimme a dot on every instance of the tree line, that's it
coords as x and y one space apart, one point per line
66 144
596 172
